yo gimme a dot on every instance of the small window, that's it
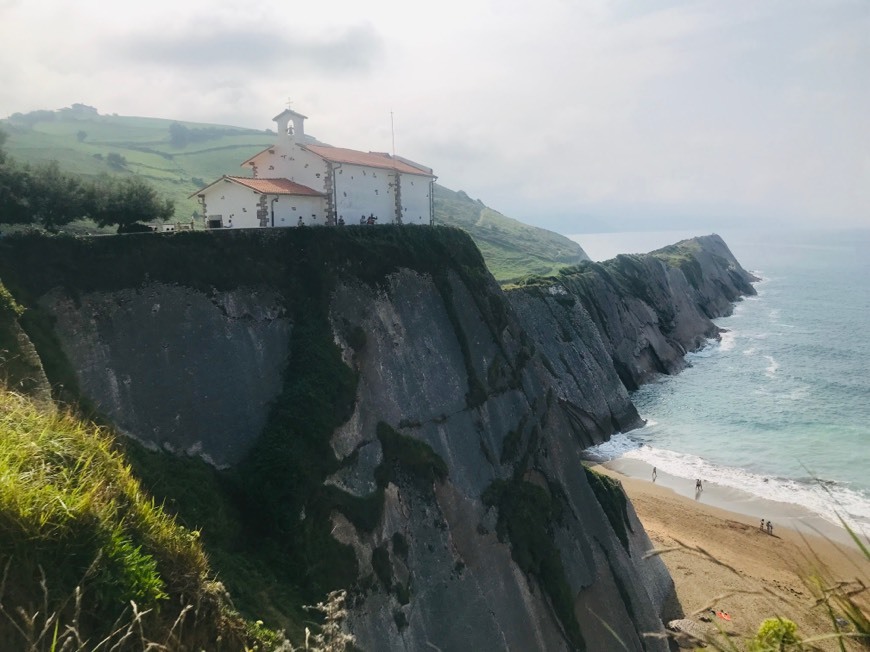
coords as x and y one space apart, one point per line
344 193
271 167
293 208
306 165
376 191
317 175
244 210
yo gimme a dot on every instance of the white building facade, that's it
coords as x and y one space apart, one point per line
297 183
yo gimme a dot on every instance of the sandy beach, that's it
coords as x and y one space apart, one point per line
721 559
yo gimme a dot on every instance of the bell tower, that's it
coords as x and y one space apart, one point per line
291 125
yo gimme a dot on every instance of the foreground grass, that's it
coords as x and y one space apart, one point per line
88 560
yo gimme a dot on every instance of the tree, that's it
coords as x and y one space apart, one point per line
14 207
48 197
125 201
81 135
116 161
178 135
32 118
55 198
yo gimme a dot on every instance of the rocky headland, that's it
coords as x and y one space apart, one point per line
394 422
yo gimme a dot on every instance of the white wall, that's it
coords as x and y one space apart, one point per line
415 198
236 204
306 168
294 163
362 190
289 208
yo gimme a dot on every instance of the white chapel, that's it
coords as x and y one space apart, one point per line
296 182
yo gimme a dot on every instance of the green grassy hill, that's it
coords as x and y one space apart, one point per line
87 143
510 248
178 158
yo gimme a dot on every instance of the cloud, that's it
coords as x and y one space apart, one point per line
353 50
563 107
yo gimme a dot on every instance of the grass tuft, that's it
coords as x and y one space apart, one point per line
87 555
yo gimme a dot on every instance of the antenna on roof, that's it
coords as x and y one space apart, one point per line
393 133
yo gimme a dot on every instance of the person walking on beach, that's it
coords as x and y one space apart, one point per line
698 486
769 527
761 527
654 474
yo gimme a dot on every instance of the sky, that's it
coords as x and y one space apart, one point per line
575 115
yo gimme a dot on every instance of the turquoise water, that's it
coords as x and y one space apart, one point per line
780 407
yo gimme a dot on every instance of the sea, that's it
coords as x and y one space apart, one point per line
780 406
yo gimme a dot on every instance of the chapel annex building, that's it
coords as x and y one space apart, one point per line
297 182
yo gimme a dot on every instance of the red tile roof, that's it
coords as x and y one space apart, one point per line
276 186
267 186
371 159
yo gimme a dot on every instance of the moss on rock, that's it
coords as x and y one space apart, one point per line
527 515
613 501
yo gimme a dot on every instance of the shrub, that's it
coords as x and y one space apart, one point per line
776 634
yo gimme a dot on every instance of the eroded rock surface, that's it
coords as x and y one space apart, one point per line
472 406
175 368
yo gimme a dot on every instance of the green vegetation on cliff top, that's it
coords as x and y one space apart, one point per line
510 248
178 158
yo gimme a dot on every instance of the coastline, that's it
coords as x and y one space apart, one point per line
721 559
740 503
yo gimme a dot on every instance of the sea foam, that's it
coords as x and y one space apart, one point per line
827 499
785 389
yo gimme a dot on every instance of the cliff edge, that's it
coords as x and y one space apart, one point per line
390 420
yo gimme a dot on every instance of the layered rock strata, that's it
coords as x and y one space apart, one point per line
470 409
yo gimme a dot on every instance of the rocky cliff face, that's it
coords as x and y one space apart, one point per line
176 368
416 374
456 415
649 310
